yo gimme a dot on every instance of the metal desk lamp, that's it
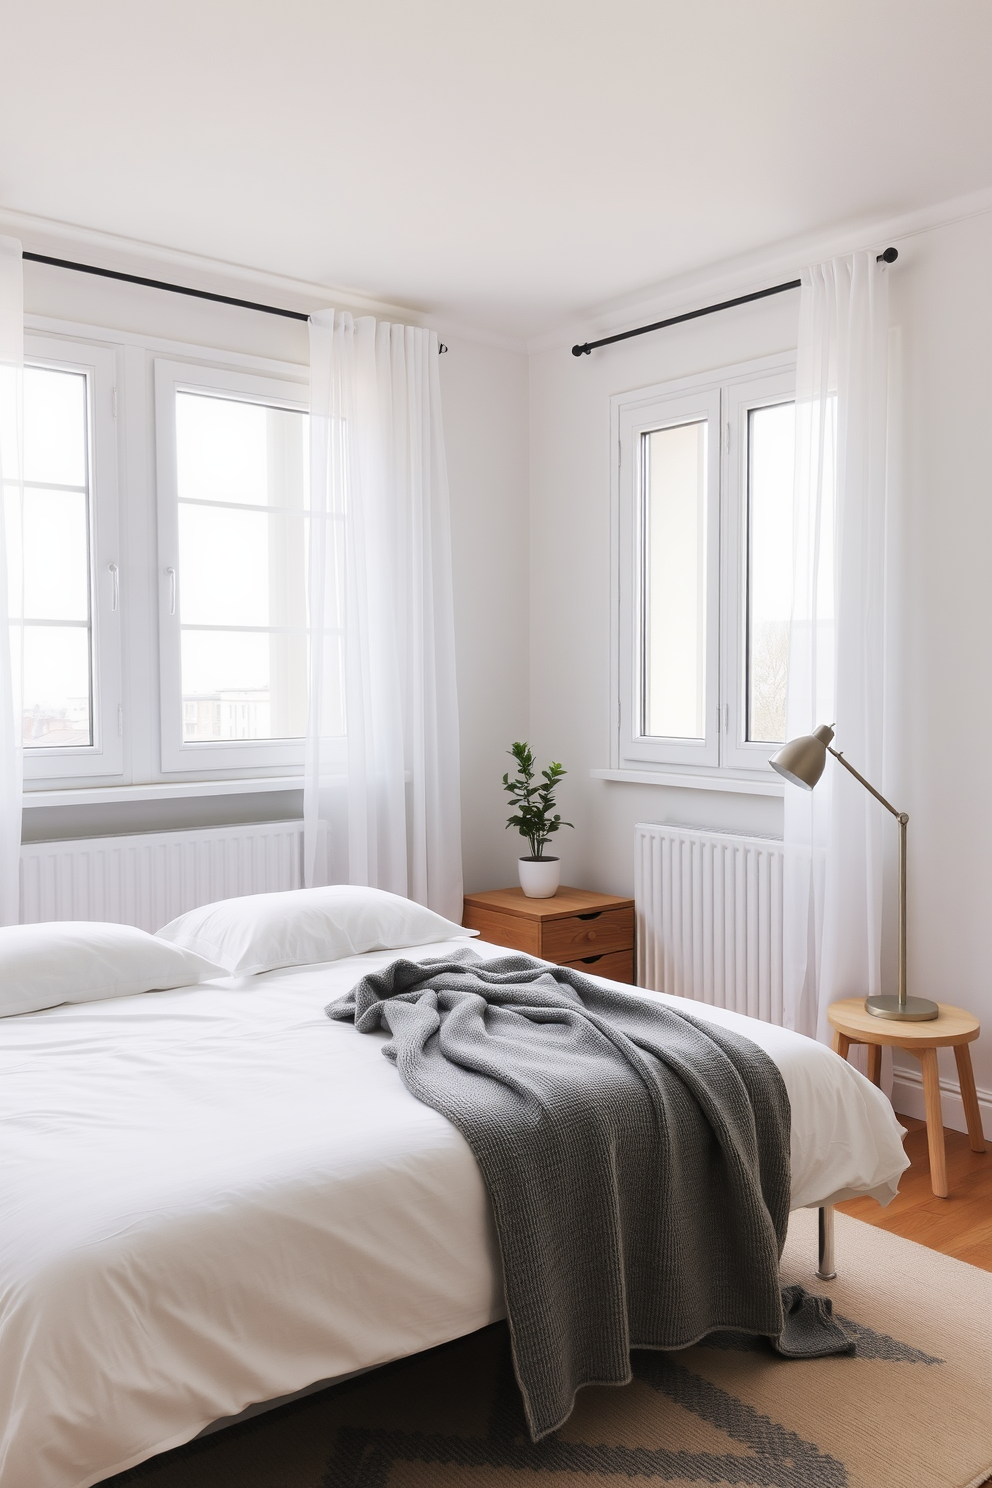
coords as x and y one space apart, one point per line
801 761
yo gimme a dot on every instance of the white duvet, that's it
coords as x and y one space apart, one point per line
215 1196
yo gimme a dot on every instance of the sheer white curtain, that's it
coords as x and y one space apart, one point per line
381 786
11 631
835 835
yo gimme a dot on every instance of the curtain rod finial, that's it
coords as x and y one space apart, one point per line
581 350
889 256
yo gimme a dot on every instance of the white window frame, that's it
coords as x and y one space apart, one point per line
104 758
203 756
724 397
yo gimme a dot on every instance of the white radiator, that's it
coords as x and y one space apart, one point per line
148 878
709 917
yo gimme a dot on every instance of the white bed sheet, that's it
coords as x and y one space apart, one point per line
215 1196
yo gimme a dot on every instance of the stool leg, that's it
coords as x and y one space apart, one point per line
935 1122
841 1044
969 1096
875 1064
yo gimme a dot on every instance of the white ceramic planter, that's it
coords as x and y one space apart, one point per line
539 877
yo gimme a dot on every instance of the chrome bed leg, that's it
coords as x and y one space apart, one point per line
825 1249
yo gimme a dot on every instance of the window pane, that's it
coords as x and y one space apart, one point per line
674 465
243 685
771 456
228 450
56 556
241 567
56 686
56 561
54 426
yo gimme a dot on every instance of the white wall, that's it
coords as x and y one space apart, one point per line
484 392
942 302
942 630
485 423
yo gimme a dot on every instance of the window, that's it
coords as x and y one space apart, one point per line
71 582
704 543
233 514
163 530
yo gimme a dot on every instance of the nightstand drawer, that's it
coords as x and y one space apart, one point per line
512 931
578 936
617 965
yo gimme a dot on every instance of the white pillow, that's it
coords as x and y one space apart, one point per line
259 932
85 961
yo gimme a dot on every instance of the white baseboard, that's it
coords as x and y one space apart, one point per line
907 1099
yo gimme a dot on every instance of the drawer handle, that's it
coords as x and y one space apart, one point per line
590 960
590 935
593 916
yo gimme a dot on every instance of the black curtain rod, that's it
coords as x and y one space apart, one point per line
889 256
196 294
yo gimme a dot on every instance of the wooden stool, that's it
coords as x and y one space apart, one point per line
954 1028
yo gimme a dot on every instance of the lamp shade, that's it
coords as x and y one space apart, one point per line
802 760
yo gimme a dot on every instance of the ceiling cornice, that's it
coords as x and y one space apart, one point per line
723 279
754 270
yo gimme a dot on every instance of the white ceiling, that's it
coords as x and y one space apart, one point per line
505 163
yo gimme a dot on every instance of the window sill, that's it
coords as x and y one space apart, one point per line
738 785
164 791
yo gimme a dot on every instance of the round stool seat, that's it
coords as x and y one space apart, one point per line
952 1026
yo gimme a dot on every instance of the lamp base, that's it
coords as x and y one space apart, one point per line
913 1010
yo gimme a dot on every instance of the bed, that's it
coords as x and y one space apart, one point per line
216 1196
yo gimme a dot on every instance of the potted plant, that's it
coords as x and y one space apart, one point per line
534 819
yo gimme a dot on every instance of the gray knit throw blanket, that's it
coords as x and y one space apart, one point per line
637 1162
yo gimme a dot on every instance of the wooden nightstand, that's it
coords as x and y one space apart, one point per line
592 932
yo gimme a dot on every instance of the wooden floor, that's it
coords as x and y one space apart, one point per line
961 1224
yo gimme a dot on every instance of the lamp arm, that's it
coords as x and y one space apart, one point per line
899 815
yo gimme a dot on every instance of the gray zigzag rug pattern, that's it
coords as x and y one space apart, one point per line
913 1408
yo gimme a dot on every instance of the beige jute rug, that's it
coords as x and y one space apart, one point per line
912 1410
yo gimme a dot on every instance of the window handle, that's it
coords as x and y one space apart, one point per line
115 577
171 573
